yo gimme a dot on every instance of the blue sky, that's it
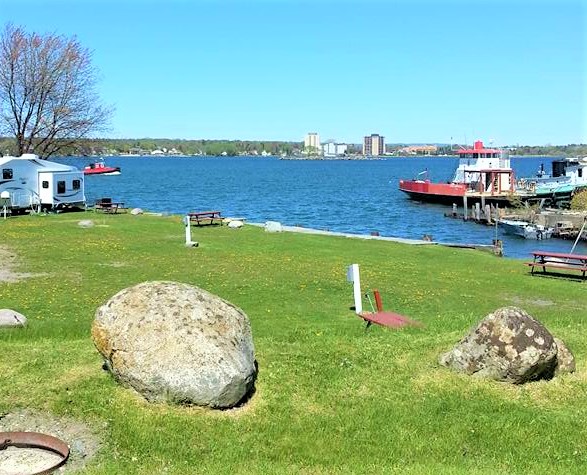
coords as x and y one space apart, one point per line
420 71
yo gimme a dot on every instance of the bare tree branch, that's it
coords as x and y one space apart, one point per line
48 97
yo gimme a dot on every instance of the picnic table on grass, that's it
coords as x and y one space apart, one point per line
106 205
201 218
558 261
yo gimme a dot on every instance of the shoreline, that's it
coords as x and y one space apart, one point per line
416 242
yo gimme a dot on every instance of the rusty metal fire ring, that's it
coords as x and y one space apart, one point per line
36 440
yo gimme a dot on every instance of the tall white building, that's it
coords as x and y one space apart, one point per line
312 142
332 149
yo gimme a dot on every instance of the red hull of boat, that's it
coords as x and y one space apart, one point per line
446 193
101 170
428 188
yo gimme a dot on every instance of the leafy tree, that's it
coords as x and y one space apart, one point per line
48 100
579 201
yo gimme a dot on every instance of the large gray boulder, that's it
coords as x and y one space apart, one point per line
509 345
177 343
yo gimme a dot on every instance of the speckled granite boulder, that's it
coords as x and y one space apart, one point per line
177 343
507 345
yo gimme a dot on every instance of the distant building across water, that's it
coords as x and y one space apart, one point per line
312 143
332 149
419 150
373 145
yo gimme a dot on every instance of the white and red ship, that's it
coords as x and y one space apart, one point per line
483 173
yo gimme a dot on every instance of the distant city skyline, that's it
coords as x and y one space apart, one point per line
510 73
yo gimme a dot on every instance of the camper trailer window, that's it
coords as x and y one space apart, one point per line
76 184
7 173
60 187
45 184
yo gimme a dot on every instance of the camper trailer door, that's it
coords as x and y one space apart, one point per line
46 188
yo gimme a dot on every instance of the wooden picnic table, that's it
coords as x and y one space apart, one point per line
558 260
202 218
106 205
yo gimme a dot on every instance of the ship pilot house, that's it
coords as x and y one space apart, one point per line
485 170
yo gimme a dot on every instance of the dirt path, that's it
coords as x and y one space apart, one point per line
8 261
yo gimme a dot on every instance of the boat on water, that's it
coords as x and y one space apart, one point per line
568 176
100 168
525 229
483 174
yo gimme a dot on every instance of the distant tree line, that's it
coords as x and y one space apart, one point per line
571 150
183 147
145 146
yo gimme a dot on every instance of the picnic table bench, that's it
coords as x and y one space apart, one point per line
106 205
558 260
202 218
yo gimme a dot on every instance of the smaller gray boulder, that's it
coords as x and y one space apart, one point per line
86 223
273 227
136 211
236 224
10 318
507 345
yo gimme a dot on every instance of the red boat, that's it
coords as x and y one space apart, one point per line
483 174
100 168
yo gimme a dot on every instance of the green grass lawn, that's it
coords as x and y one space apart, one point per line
331 397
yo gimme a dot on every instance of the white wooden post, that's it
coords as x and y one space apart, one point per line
353 276
188 230
188 233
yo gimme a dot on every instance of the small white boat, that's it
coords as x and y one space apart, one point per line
525 229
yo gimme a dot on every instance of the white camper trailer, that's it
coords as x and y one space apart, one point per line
38 184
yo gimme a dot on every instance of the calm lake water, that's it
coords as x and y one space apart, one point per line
340 195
